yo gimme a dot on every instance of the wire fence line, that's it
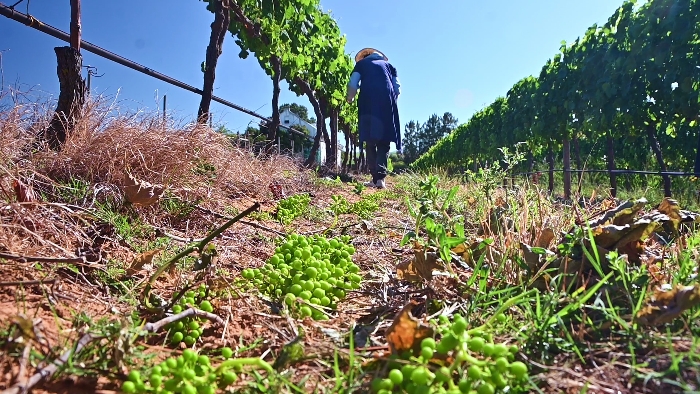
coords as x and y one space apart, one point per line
616 172
30 21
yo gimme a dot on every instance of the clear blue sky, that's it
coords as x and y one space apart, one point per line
451 55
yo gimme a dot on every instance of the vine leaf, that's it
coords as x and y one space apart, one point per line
664 306
406 332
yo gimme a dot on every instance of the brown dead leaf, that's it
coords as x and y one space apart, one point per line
142 259
670 208
609 235
23 192
545 238
592 199
141 192
500 202
665 306
420 267
639 231
406 332
620 215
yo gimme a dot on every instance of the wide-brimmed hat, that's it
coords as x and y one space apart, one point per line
366 52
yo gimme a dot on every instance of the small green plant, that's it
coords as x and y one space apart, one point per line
292 207
306 272
443 231
205 168
359 188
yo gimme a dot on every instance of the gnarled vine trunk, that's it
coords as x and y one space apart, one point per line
71 98
222 19
275 123
320 120
550 161
610 155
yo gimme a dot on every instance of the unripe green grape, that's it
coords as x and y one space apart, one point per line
227 352
305 311
501 364
485 388
177 337
465 386
447 343
459 325
396 376
476 344
427 353
518 369
428 342
474 372
500 350
129 387
305 295
319 293
488 349
155 380
420 375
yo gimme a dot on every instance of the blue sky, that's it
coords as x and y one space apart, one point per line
451 55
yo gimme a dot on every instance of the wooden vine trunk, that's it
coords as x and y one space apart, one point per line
222 19
567 168
71 98
550 160
610 143
656 148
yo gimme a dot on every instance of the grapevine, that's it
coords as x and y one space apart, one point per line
308 273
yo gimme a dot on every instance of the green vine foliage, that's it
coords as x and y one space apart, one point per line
307 42
635 74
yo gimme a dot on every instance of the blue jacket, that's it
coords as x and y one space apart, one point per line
377 107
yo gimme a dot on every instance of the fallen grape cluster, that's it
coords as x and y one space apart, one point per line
308 271
189 373
189 329
292 207
460 362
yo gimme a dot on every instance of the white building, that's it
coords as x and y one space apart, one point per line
290 119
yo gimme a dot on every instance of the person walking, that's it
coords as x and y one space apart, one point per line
378 114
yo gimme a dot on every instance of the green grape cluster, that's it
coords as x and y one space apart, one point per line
189 373
313 269
292 207
478 366
189 329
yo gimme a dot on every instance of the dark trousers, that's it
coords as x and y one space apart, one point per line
377 157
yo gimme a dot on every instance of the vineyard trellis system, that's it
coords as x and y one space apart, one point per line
615 172
625 93
61 35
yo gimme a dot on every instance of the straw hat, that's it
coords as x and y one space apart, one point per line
366 52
